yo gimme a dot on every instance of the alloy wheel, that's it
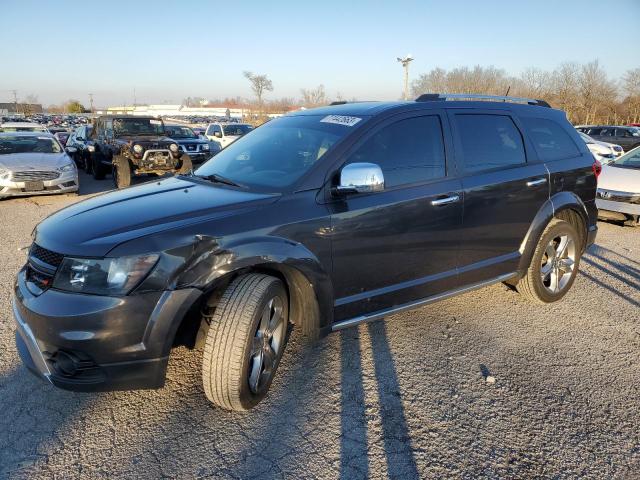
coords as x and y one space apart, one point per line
558 263
266 345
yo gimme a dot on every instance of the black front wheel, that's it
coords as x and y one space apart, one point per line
97 168
247 335
121 172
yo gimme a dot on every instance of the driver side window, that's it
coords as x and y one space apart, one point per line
408 151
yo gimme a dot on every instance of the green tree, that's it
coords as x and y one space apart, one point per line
74 106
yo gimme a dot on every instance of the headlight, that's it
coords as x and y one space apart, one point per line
109 276
91 148
4 173
174 147
137 148
67 168
205 146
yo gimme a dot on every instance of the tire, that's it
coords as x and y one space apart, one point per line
186 165
121 172
553 267
97 169
86 164
233 369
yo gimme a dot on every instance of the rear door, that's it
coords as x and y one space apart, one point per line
401 244
504 187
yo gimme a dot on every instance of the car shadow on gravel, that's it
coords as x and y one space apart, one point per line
354 448
34 419
598 258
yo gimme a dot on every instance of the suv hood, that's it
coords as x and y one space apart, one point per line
33 161
94 227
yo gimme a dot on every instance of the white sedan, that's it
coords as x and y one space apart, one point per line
618 196
34 163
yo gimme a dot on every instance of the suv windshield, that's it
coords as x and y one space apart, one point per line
277 154
174 131
28 145
237 130
628 160
137 126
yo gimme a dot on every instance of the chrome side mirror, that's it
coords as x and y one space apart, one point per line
360 178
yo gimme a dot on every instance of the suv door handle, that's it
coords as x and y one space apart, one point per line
533 183
445 200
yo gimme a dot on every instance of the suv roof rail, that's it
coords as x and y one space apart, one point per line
339 102
435 97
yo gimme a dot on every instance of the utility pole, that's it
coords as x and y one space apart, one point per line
405 64
15 100
91 102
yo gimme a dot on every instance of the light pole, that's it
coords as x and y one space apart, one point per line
405 64
91 101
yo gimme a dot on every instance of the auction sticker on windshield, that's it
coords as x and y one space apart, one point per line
341 120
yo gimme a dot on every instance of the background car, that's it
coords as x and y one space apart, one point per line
602 151
226 133
34 163
62 137
78 147
627 137
23 127
618 196
189 142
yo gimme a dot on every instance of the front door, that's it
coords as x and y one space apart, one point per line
398 245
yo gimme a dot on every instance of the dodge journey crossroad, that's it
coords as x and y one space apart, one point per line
319 220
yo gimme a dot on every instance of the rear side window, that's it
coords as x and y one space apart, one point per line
489 141
551 141
408 151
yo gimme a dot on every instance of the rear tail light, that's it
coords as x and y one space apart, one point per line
597 168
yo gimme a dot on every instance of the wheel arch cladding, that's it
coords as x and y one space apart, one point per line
566 206
307 283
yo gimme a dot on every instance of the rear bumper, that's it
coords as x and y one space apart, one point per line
110 343
621 207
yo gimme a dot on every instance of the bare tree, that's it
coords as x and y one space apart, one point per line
259 85
314 96
631 86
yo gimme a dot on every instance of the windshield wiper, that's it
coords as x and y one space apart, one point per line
216 178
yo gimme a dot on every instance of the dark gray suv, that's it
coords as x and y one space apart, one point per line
319 220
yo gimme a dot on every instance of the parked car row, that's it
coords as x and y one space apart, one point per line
625 136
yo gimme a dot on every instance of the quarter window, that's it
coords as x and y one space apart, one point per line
489 141
551 141
407 151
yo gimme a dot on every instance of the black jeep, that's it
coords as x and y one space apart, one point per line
324 219
129 146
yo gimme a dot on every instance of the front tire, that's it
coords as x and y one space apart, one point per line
96 166
121 172
554 265
186 165
245 341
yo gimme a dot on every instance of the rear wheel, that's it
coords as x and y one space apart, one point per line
246 338
86 164
554 264
121 172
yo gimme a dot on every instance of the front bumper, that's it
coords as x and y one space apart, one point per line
113 343
65 183
621 202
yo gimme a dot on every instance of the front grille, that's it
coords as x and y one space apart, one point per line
47 256
192 148
34 175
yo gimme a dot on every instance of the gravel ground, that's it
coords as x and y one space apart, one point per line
403 398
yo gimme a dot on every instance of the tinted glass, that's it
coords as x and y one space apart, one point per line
277 154
25 144
407 151
551 141
232 129
489 141
628 160
594 131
